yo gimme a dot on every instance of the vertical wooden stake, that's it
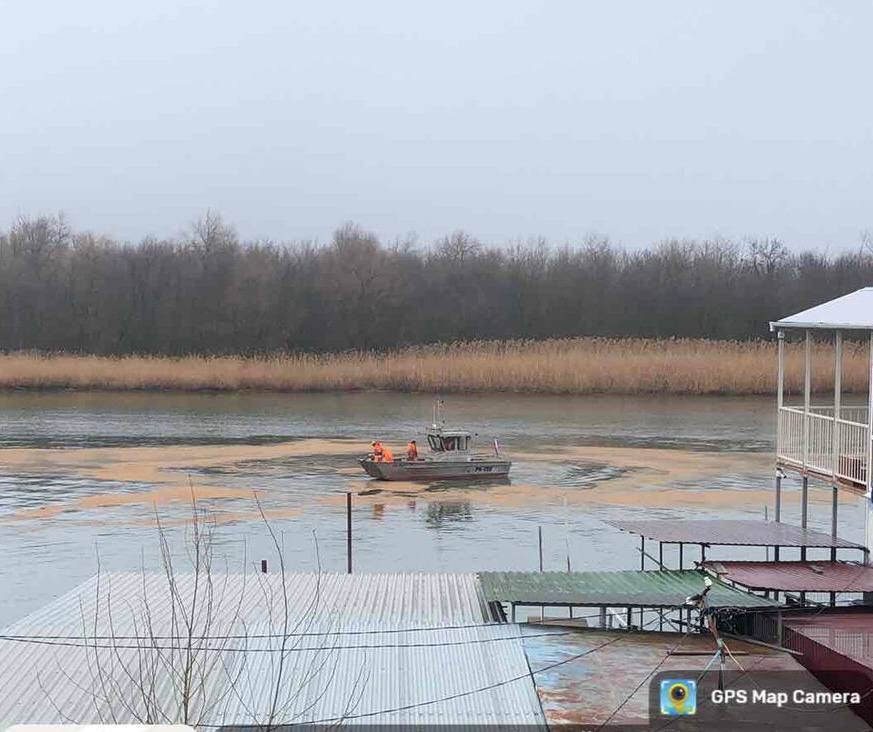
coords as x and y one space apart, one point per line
349 531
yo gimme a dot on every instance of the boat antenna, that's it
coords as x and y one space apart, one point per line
437 403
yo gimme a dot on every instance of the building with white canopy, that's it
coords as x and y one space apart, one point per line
827 439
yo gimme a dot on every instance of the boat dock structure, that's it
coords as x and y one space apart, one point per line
408 649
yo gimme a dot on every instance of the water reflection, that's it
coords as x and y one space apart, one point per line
447 512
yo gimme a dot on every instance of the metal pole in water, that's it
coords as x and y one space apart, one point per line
540 535
264 566
804 512
349 531
778 512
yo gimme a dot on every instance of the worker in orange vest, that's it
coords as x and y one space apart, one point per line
412 451
387 455
378 451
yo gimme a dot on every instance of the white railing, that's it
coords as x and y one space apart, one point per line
818 442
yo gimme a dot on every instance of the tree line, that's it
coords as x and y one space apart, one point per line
209 292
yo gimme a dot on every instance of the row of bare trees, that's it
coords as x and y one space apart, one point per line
210 292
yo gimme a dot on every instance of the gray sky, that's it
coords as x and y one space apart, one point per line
639 120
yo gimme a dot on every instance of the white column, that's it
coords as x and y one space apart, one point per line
838 396
807 383
869 472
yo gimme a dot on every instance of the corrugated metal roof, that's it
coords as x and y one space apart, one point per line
659 588
846 633
837 646
732 533
796 576
852 311
370 648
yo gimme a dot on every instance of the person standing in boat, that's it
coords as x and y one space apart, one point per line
387 455
411 451
378 451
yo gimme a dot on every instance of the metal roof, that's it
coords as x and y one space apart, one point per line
852 311
650 589
613 683
402 649
845 633
732 533
796 576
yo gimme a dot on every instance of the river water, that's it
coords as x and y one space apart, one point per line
83 478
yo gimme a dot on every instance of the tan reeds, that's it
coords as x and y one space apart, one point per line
572 366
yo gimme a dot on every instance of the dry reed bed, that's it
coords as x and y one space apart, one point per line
572 366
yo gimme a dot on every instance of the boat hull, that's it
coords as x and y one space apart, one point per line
437 469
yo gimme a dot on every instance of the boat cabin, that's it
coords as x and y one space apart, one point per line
449 440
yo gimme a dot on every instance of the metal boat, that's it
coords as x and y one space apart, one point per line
451 457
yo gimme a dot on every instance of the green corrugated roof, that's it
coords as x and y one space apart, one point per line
660 588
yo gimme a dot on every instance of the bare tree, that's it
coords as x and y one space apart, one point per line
197 645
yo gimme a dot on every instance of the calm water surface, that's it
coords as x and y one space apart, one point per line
59 514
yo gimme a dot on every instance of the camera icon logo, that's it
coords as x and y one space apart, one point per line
678 697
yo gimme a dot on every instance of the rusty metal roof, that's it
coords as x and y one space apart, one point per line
796 576
848 634
658 588
733 533
612 683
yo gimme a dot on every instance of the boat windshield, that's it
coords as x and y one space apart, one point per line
448 443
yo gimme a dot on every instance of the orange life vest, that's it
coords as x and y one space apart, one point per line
387 455
411 451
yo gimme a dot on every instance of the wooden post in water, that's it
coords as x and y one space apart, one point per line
349 531
264 566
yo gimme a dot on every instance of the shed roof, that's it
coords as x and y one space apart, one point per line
850 312
846 633
728 532
372 648
796 576
650 589
610 687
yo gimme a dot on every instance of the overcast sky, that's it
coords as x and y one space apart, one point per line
638 120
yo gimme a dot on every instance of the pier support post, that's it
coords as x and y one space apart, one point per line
804 512
834 508
642 552
778 511
349 532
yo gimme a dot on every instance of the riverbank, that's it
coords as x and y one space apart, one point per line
572 366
